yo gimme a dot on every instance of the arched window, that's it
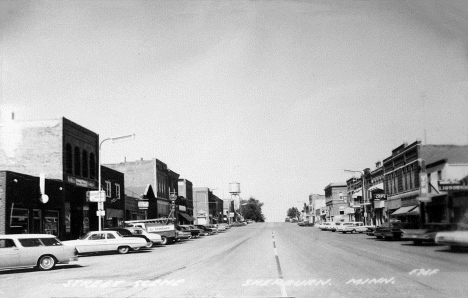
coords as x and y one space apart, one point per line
85 164
92 166
77 162
68 159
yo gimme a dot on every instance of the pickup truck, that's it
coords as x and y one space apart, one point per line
166 231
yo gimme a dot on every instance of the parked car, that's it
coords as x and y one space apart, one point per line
221 228
101 241
195 232
354 227
127 233
389 230
455 239
370 231
305 223
324 226
333 226
201 232
237 224
182 233
341 227
153 237
427 233
42 251
213 228
227 226
207 231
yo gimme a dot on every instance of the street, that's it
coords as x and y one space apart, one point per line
258 260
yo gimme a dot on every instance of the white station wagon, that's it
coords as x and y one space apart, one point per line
102 241
42 251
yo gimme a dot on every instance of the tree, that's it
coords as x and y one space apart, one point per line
252 209
293 212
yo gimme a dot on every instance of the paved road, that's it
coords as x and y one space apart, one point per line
258 260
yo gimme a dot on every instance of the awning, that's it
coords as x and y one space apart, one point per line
357 194
377 186
404 195
186 216
404 210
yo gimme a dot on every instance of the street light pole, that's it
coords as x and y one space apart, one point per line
116 139
364 192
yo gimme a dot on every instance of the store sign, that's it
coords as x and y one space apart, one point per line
81 182
451 185
379 196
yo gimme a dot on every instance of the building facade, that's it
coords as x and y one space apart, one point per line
60 150
317 204
335 198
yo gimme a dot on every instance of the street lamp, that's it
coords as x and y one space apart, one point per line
364 193
101 204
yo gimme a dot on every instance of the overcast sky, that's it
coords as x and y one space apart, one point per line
280 96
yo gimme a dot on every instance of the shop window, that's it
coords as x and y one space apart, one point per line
68 159
77 162
108 189
92 166
19 221
51 222
85 163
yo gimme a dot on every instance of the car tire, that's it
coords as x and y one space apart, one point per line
455 248
164 240
353 231
136 248
417 242
123 249
149 244
46 263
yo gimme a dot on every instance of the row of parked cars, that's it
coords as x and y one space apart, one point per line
453 235
343 227
44 251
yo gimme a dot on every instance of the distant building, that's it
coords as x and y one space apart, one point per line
335 197
208 208
317 204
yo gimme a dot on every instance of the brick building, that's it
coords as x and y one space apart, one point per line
62 150
141 173
335 197
185 189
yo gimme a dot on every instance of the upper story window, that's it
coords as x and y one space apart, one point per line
117 191
77 162
92 166
85 164
68 159
439 175
108 189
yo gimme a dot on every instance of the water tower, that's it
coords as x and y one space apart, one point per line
234 190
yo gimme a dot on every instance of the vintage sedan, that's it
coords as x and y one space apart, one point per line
455 239
103 241
153 237
127 233
42 251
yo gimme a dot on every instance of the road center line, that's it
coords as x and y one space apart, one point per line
278 266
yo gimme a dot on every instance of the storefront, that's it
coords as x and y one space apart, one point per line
29 211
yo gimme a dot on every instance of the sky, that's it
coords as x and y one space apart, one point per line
279 96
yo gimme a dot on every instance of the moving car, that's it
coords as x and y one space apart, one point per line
427 233
42 251
128 233
455 239
101 241
153 237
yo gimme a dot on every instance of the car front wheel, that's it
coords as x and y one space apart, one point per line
123 249
149 244
164 240
46 263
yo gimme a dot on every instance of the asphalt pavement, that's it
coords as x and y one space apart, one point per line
258 260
